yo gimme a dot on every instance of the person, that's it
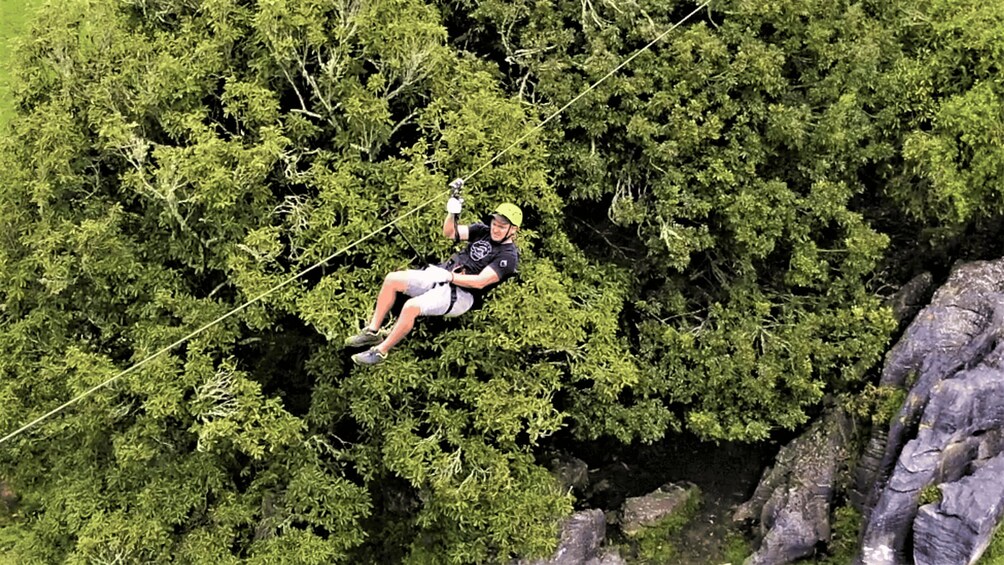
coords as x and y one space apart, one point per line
450 288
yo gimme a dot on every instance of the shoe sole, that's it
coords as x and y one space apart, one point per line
360 362
363 341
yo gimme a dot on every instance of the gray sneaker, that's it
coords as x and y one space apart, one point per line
371 356
364 338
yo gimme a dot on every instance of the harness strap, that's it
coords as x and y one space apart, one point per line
453 298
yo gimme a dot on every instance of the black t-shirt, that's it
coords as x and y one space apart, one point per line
482 252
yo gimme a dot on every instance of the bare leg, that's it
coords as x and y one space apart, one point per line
405 322
393 283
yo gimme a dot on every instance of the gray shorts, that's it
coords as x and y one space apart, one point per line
432 295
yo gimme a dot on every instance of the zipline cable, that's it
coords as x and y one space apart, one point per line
208 325
393 222
624 63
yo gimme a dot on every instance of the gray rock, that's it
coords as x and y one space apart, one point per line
914 295
581 537
951 421
791 505
959 527
867 469
572 473
608 557
951 443
639 513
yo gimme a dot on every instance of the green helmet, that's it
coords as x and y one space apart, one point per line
511 212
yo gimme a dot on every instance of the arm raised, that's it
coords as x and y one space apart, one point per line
448 225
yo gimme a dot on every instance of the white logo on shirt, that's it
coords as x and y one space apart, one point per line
480 250
504 264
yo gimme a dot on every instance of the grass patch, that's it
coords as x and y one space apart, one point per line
844 540
994 554
14 16
736 549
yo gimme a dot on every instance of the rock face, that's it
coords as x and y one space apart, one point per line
791 504
581 536
960 510
947 435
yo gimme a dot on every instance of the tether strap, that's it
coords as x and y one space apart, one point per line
453 298
456 229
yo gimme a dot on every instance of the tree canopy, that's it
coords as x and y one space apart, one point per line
707 235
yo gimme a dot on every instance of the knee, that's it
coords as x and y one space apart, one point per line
397 280
411 309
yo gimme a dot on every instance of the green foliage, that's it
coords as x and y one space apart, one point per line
14 17
879 404
930 494
729 157
172 163
952 157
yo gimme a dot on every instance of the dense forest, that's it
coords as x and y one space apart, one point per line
709 236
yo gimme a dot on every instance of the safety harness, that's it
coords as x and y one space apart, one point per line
453 298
